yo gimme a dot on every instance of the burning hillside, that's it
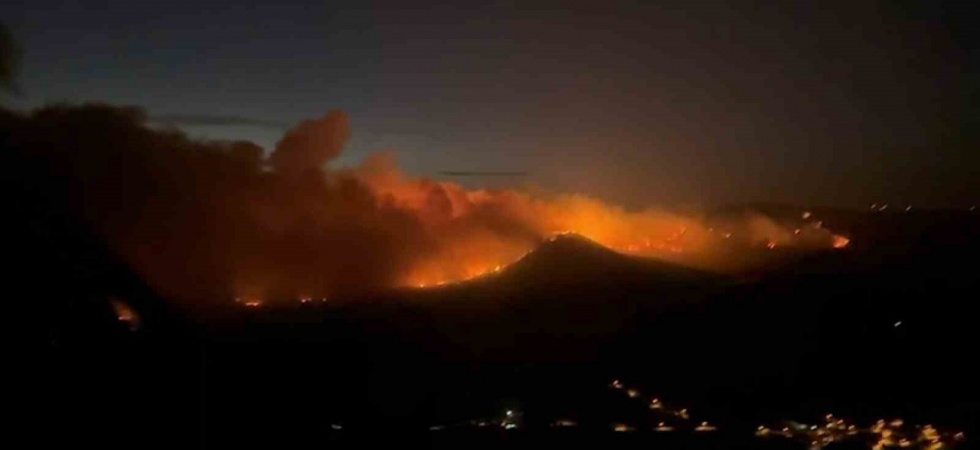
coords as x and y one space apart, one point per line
207 220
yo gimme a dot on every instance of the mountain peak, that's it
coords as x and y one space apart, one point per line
571 258
570 241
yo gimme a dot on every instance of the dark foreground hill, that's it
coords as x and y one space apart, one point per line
863 332
871 331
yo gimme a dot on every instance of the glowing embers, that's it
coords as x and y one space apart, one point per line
125 314
249 302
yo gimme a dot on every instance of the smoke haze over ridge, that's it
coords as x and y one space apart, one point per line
205 220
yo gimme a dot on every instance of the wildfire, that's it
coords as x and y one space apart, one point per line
458 234
476 233
296 226
125 314
652 235
249 302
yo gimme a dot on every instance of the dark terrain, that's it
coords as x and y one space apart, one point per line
816 334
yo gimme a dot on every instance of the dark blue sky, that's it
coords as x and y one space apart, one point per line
680 103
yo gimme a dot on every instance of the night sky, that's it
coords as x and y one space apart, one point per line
682 103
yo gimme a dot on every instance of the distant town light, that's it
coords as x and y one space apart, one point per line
705 427
621 428
565 423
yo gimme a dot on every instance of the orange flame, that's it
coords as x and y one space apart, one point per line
478 232
125 313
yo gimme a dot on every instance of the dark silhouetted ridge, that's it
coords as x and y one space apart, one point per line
572 259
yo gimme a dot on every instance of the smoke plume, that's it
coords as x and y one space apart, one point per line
205 221
312 143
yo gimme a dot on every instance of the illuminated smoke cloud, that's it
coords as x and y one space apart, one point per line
207 221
